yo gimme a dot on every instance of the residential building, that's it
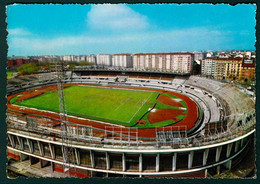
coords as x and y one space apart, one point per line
233 68
248 72
91 58
122 60
168 62
69 58
208 66
104 59
228 68
18 61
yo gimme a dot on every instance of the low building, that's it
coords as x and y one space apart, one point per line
12 62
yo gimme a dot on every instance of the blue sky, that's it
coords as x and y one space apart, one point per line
94 29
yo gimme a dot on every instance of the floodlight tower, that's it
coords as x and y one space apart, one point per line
67 149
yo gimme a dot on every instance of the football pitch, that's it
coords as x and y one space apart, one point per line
120 106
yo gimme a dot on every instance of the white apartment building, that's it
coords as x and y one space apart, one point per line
91 58
208 66
69 58
122 60
171 62
104 59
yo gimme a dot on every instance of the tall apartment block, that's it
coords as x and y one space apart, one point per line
208 66
122 60
104 59
167 62
91 58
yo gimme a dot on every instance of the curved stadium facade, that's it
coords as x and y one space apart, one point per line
177 125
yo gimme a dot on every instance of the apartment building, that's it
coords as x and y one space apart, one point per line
167 62
248 72
227 68
104 59
208 66
91 58
122 60
233 68
68 58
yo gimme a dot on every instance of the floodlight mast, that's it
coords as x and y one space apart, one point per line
67 149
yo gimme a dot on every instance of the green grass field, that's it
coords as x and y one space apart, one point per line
119 106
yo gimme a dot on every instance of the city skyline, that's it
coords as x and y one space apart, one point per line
94 29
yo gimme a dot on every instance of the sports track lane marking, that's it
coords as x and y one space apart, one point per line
139 108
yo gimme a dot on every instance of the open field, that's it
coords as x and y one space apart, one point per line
127 106
135 107
122 106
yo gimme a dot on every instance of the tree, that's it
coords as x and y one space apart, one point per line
84 63
72 66
28 68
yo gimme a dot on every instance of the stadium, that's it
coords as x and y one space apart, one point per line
129 123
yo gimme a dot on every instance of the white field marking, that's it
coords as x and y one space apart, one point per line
122 103
153 110
137 102
177 99
139 108
182 108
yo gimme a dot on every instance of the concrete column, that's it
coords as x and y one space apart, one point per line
123 162
43 163
236 146
242 143
205 156
30 145
107 161
229 147
51 147
140 163
33 160
218 152
228 164
218 169
190 161
23 157
174 160
157 162
52 166
92 159
40 147
11 140
77 156
20 141
64 156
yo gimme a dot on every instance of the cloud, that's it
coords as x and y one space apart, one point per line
18 32
159 41
115 17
